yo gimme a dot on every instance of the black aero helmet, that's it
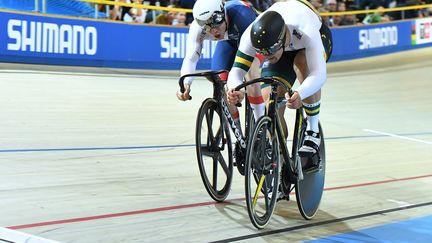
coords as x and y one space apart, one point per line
268 33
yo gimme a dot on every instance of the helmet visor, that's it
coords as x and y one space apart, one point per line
214 21
270 50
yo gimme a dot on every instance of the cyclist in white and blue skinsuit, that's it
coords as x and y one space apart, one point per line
217 21
225 23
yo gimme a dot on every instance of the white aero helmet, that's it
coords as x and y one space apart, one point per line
209 12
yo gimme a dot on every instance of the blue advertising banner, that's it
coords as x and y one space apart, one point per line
63 41
368 40
32 38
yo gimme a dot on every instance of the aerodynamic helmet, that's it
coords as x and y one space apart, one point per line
209 13
268 33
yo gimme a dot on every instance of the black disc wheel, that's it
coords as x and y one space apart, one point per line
309 190
214 150
262 172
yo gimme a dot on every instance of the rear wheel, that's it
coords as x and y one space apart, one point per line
214 150
309 190
262 172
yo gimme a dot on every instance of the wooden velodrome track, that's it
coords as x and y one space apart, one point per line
109 156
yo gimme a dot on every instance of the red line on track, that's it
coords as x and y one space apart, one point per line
114 215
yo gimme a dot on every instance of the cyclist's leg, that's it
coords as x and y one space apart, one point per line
255 97
311 106
312 103
282 70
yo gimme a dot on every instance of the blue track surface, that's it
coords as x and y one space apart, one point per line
416 230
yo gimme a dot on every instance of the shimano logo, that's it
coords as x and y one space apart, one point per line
51 38
206 12
378 37
174 46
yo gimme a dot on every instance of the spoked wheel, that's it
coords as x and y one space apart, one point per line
262 173
214 150
309 190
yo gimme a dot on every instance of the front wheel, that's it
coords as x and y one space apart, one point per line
262 172
214 150
309 190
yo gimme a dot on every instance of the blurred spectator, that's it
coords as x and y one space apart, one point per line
425 12
373 4
152 14
136 15
163 3
118 12
180 19
189 5
377 17
345 19
407 14
166 17
317 4
326 19
410 14
331 5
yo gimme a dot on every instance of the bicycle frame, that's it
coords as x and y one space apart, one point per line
274 115
218 95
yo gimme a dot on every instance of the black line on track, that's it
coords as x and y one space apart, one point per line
8 241
304 226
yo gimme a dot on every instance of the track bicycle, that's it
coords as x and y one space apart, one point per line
270 168
213 139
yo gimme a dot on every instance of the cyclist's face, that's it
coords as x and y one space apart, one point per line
274 58
217 32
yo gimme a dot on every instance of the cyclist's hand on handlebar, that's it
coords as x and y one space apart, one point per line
234 97
184 96
294 101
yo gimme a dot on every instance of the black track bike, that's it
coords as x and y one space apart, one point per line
270 168
213 138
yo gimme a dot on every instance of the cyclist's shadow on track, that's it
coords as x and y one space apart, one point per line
236 211
286 215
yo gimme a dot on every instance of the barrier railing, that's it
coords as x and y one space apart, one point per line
386 10
105 2
134 5
159 8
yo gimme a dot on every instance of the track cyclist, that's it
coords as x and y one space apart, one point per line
296 45
224 22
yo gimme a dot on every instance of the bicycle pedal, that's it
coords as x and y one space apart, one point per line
312 169
284 197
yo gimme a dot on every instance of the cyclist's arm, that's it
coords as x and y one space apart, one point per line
317 67
242 62
193 51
